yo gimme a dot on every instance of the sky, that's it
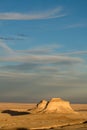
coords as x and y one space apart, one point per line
43 50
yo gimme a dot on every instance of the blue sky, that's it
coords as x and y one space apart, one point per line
43 50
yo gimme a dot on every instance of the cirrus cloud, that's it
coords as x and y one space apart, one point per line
43 59
53 13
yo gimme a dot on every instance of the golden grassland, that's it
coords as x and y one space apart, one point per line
16 116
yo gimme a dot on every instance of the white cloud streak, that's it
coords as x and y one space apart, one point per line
59 80
18 56
55 13
40 50
74 53
37 58
43 59
77 25
5 47
16 75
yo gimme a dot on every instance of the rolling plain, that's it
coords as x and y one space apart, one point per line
16 116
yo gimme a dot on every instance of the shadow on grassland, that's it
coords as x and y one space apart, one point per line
16 129
15 113
22 129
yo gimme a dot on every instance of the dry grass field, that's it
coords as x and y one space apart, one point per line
15 116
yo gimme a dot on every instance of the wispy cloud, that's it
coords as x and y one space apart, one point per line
6 48
49 14
31 73
41 50
20 36
43 59
16 75
23 67
76 25
33 58
74 53
11 38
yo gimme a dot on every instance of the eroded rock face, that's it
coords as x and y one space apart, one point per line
58 105
42 105
55 105
39 107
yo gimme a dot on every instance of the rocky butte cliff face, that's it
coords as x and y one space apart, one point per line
55 105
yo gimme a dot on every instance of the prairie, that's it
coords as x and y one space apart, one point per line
16 116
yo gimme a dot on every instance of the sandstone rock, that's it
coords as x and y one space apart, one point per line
55 105
39 107
58 105
42 105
